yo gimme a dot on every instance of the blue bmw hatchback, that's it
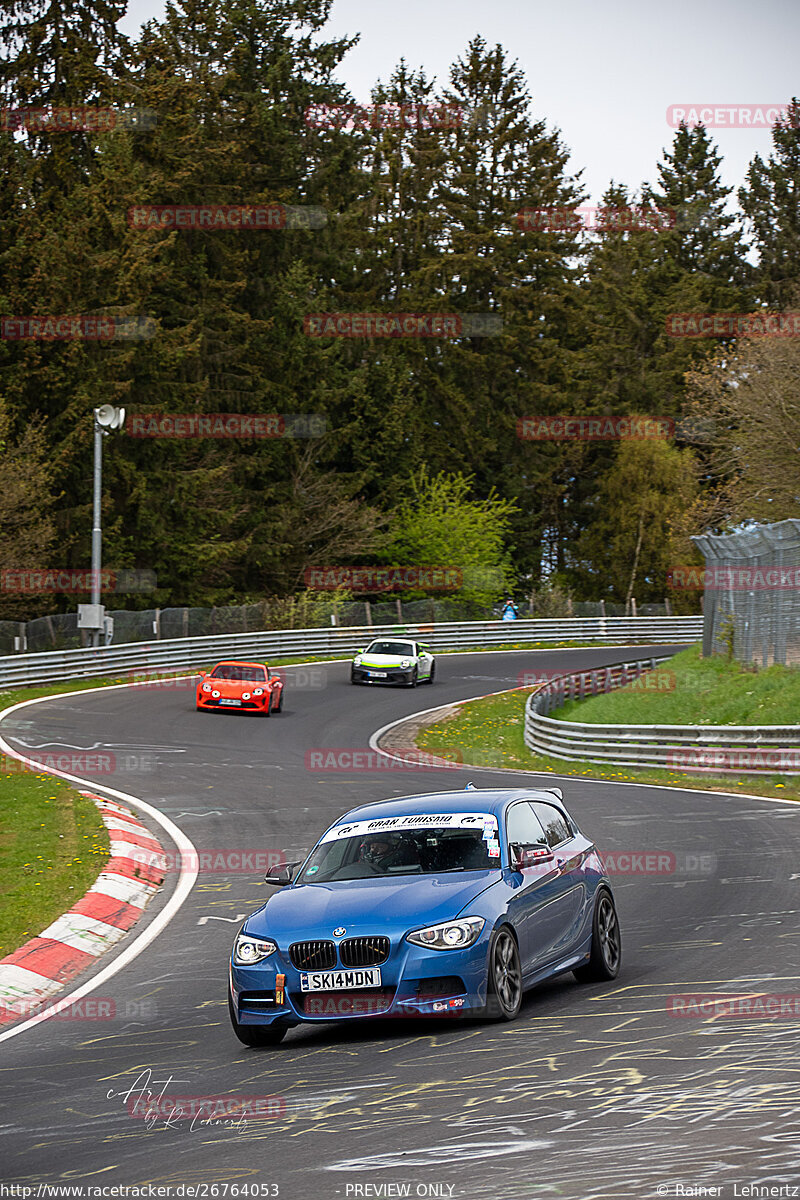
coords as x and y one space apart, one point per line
444 903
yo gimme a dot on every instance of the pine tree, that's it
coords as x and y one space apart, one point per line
699 235
501 162
771 202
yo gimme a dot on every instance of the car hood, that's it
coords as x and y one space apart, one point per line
233 687
362 906
386 660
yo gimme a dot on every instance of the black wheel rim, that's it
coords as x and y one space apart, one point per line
507 974
608 933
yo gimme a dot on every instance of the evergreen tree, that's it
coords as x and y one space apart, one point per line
503 161
700 236
771 202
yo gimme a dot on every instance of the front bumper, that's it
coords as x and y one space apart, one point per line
415 982
399 676
254 704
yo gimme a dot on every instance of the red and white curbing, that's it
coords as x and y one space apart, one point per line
46 964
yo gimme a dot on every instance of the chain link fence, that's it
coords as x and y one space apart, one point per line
306 611
751 607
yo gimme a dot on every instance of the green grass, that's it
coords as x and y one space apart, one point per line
489 733
698 691
53 844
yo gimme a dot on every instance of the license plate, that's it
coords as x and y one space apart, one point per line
339 981
377 674
230 702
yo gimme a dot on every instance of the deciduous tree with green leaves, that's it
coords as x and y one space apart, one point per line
441 522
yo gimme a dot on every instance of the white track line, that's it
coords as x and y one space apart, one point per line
186 880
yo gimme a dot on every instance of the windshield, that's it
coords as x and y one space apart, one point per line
429 851
241 672
398 649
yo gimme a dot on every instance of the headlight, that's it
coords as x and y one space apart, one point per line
245 695
451 935
215 695
406 662
357 661
258 691
249 950
206 687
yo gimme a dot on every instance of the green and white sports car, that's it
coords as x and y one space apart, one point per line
394 660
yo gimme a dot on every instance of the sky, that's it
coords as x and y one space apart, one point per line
604 72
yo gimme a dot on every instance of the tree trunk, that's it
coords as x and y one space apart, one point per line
632 584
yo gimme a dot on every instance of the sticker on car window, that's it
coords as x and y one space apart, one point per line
423 821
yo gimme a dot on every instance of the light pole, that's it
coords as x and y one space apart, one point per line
107 419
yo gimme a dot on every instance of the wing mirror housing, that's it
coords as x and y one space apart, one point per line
281 874
529 854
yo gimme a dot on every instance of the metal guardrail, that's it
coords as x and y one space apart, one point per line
188 654
716 749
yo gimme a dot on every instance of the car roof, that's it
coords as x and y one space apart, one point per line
394 637
478 800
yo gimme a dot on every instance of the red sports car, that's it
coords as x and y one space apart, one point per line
240 687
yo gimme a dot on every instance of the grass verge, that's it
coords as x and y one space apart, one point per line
53 844
489 732
692 690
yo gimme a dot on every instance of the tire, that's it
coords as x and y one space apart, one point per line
432 675
606 954
352 677
504 978
279 705
256 1035
268 709
414 680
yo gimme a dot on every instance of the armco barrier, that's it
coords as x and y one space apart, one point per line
712 749
189 654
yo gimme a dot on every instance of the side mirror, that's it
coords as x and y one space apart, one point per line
281 874
530 854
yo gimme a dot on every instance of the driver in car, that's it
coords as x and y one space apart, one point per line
381 853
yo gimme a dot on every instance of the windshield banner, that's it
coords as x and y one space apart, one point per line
481 821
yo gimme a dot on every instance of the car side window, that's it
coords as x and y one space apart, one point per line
522 824
555 827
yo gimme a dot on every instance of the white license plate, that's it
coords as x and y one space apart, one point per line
339 981
377 674
230 702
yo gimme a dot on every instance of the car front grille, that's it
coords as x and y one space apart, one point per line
313 956
364 951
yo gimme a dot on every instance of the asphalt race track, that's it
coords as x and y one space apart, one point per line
595 1091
